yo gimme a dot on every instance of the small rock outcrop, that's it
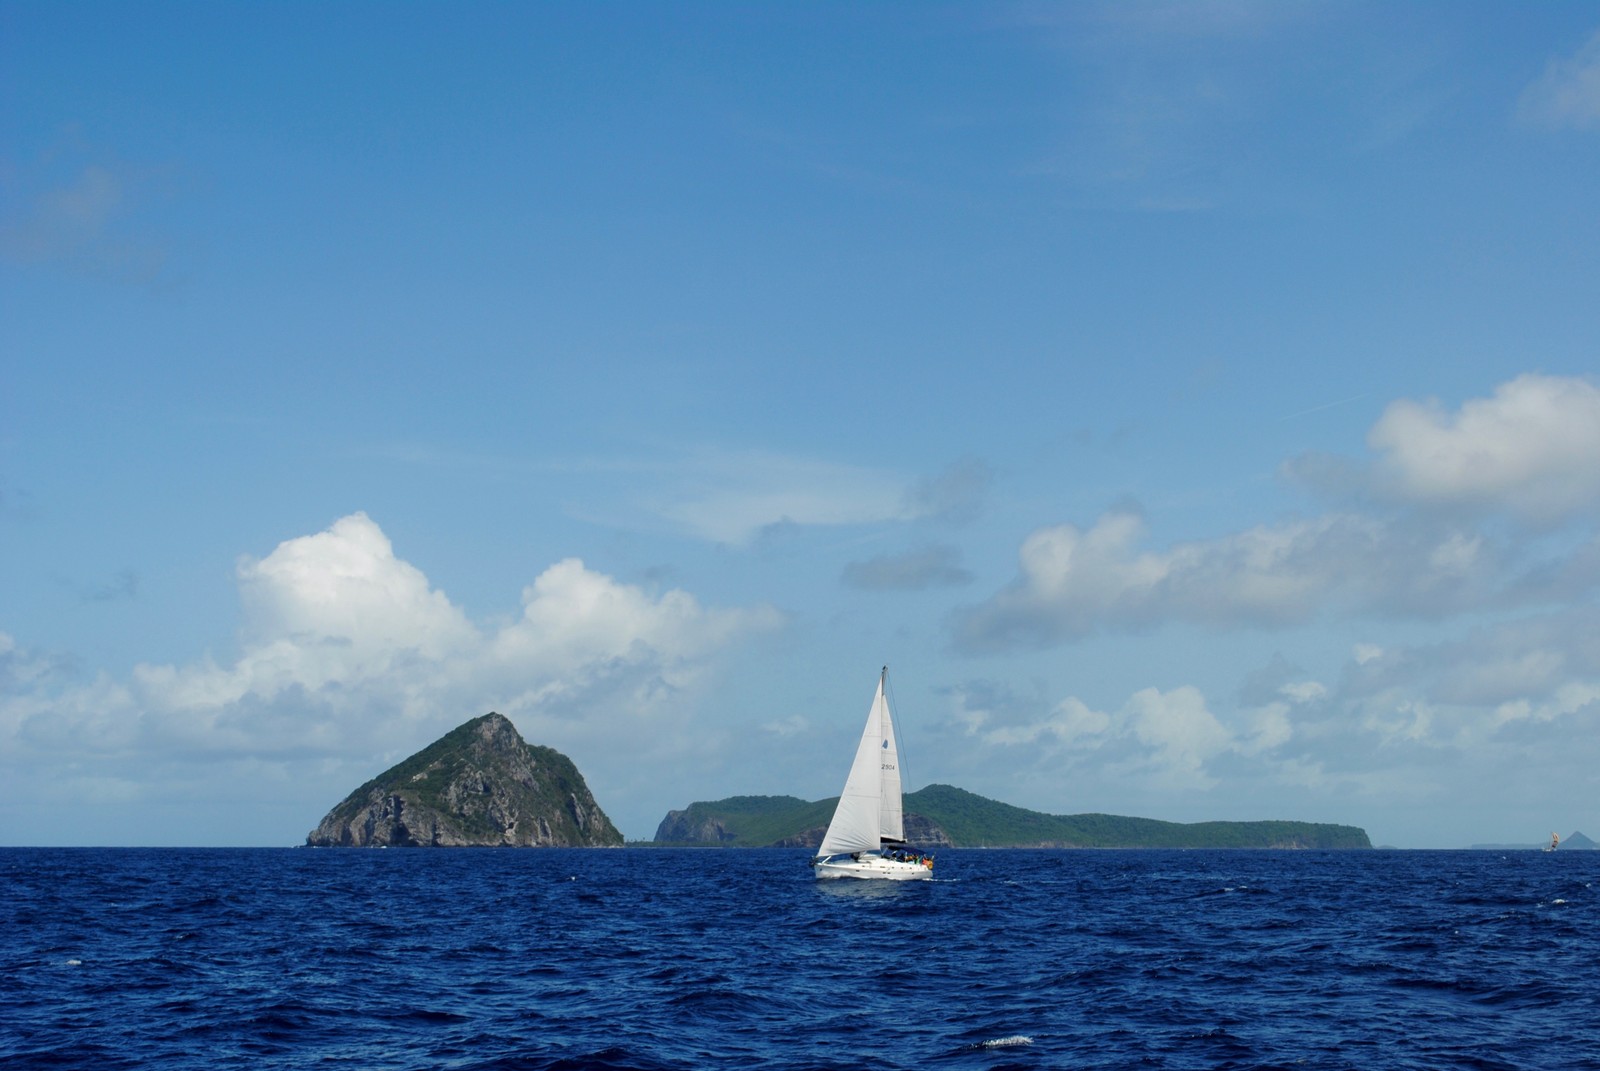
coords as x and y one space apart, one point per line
479 785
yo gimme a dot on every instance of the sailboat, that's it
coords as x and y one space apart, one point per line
866 838
1554 842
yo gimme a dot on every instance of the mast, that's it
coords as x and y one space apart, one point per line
891 826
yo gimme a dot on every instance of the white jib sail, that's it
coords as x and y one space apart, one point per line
855 821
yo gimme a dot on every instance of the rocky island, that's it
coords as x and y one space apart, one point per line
479 785
943 816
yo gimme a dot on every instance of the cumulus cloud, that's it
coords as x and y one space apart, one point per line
1531 453
1180 730
345 587
1533 449
1567 94
342 640
1504 697
1524 660
583 635
1073 582
1169 737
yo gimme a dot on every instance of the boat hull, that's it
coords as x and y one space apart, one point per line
873 868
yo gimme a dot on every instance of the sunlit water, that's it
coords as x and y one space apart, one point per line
637 958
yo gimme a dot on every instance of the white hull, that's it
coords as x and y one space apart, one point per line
872 867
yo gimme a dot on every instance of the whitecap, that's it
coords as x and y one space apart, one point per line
1006 1042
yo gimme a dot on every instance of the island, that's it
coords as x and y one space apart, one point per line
1574 842
479 785
944 816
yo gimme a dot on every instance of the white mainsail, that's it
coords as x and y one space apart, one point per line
890 825
869 807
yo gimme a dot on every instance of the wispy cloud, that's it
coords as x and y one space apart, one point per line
735 497
1567 94
124 587
956 495
76 208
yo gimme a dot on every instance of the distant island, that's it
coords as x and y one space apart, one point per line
941 815
1577 842
479 785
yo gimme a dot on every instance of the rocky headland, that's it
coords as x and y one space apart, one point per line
479 785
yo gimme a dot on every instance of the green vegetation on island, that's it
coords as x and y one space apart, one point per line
943 815
478 785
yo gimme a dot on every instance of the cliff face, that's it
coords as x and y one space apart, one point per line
478 785
687 827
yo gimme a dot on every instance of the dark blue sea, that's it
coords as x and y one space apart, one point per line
681 959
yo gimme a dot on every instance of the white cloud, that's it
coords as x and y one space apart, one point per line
1169 738
1524 659
1268 729
1180 730
582 632
793 725
1533 449
1517 696
343 641
1304 691
739 497
1073 582
1567 94
1071 724
346 585
1530 452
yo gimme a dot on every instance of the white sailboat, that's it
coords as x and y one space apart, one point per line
866 838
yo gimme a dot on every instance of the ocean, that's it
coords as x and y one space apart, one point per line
686 959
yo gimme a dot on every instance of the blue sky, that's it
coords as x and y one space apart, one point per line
1195 405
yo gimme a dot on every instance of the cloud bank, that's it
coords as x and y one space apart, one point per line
1508 697
1484 515
346 649
1443 485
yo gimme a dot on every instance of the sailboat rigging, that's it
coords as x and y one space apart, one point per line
866 838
